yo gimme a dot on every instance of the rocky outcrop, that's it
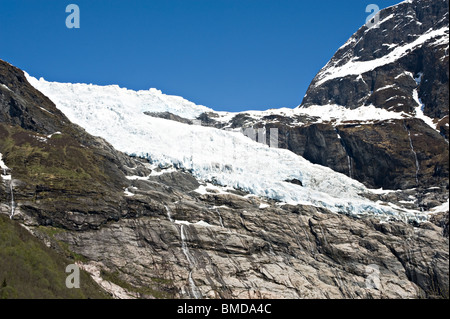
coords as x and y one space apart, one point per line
398 154
169 116
226 246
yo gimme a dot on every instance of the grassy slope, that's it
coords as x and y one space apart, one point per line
29 269
59 162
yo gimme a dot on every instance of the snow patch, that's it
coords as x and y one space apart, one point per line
128 193
354 67
3 166
5 87
441 209
340 114
51 135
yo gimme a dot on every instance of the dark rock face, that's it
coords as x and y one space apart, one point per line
389 83
379 153
23 105
233 248
169 116
397 154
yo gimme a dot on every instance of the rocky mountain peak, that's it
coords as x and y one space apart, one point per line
400 63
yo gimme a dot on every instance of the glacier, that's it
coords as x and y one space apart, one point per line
224 157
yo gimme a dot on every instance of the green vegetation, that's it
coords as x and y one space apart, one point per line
64 247
31 270
56 163
50 230
158 291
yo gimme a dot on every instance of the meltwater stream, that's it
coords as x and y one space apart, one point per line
9 183
194 289
190 258
13 204
415 154
349 159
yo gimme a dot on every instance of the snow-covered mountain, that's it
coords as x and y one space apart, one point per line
400 63
198 210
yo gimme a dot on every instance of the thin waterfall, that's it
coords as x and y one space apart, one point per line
168 214
190 258
220 218
349 159
185 248
414 153
8 179
194 289
12 199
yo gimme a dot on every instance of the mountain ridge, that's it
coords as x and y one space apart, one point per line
374 58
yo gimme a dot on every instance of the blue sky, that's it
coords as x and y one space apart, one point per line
230 55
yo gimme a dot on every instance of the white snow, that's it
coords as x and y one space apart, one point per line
342 114
386 87
209 188
390 46
45 110
323 113
203 224
128 193
353 67
420 106
3 166
51 135
113 97
135 177
40 138
199 223
162 172
4 86
420 114
442 208
4 169
8 177
228 158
